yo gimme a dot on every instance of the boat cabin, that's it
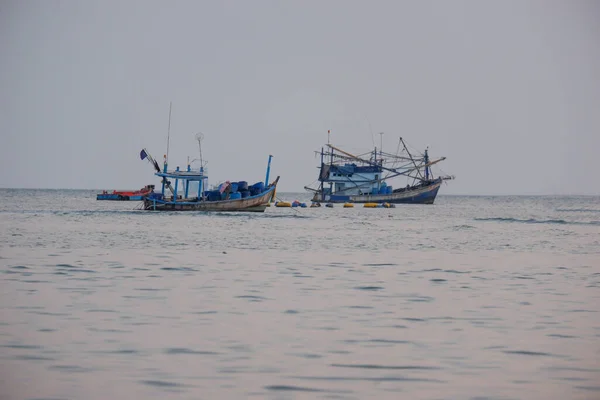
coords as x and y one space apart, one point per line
351 179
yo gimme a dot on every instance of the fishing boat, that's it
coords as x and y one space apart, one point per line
365 178
230 196
131 195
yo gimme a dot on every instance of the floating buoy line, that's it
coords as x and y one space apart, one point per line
316 204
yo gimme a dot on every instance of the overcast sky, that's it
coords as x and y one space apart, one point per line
508 91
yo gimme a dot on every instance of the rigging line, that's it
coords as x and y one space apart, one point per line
408 146
414 148
338 157
370 131
417 168
397 152
293 208
311 183
395 159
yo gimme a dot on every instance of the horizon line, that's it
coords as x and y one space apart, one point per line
448 194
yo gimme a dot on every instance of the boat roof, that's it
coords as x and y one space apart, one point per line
186 175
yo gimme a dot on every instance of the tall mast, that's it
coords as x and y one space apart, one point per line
330 183
322 185
168 133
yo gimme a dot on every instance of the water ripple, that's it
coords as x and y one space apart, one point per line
531 353
183 350
369 288
375 366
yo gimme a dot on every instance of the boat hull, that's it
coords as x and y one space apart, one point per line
256 203
416 195
119 197
134 195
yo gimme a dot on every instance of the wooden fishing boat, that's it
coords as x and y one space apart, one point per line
256 203
231 196
345 177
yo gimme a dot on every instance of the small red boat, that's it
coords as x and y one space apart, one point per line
136 195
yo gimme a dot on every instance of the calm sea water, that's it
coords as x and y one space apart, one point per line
473 297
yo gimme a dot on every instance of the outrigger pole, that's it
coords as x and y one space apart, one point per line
268 171
267 178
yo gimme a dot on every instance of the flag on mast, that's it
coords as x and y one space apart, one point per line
144 154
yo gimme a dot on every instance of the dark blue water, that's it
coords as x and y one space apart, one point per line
473 297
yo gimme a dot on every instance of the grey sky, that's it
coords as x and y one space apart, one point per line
509 91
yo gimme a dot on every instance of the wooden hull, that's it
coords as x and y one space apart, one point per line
415 195
256 203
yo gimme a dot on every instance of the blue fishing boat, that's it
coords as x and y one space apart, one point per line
230 195
345 177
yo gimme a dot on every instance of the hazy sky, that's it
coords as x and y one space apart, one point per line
509 91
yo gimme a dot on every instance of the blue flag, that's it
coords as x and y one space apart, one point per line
143 154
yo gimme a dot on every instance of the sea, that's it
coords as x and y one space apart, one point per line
473 297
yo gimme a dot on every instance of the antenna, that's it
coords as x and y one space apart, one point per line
381 141
328 133
168 133
200 138
370 131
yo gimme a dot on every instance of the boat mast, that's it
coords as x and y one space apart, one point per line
165 182
168 133
322 185
200 138
426 159
330 182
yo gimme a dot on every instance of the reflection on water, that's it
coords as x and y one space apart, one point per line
473 297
